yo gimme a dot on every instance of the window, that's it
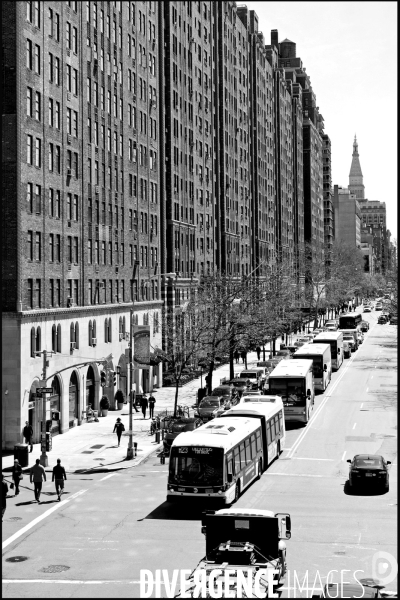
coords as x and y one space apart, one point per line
37 59
37 106
38 152
29 102
29 149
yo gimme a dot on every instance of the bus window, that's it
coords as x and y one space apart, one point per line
269 439
276 422
229 464
258 440
237 460
253 446
248 451
281 421
242 456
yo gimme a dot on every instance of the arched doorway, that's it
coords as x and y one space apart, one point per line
73 399
90 387
54 403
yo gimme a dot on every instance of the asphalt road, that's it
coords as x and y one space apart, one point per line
108 527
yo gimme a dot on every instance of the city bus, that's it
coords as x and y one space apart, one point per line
335 340
350 321
320 354
293 380
220 459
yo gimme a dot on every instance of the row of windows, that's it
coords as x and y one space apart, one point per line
102 253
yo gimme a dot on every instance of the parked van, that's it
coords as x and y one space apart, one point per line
256 377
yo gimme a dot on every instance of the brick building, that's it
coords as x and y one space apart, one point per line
80 167
327 187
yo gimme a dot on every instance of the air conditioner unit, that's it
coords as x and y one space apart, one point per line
72 345
69 299
69 172
101 285
134 97
68 52
96 189
69 268
127 337
69 224
69 96
153 43
121 337
69 138
94 341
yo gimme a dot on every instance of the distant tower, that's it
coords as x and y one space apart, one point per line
356 185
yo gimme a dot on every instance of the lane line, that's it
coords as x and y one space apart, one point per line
354 426
307 458
362 403
344 454
40 518
296 475
107 477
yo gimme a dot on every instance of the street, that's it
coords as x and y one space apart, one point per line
109 527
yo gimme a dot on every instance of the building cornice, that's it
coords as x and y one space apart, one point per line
83 311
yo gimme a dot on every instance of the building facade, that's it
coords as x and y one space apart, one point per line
80 168
328 204
347 217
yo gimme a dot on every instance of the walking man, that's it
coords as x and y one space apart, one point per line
58 476
119 427
144 404
4 498
236 356
37 476
16 475
152 402
258 350
28 434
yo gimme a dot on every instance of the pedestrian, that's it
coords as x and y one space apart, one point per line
152 402
16 475
243 355
28 434
258 350
4 498
144 404
58 476
236 356
119 427
37 476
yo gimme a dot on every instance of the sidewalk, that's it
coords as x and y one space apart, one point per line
93 447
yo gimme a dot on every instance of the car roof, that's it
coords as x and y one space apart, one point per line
368 456
223 386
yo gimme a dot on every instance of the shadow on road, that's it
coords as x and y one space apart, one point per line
179 512
362 491
292 425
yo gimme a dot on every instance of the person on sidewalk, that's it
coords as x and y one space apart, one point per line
58 476
152 402
37 476
119 427
243 355
258 350
4 498
16 475
144 404
28 434
236 356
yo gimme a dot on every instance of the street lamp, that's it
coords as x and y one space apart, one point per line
129 454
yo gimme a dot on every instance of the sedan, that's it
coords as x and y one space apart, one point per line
208 406
367 309
369 469
382 319
378 307
393 320
364 326
350 340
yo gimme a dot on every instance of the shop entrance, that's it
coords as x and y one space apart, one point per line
54 404
73 399
90 387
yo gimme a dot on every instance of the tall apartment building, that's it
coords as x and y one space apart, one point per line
347 215
373 212
368 249
327 187
356 184
80 176
261 148
187 63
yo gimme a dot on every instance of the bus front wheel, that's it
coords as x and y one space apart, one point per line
259 469
237 493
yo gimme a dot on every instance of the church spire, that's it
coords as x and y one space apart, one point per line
356 185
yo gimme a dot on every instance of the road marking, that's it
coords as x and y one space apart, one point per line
307 458
107 477
40 518
344 454
354 426
70 581
295 475
362 403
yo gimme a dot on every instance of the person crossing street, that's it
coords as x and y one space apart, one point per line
16 475
59 475
37 476
119 427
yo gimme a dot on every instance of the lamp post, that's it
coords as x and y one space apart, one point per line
44 461
129 454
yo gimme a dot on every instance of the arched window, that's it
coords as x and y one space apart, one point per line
58 338
94 329
109 330
124 325
90 332
106 330
38 339
54 338
72 333
33 342
77 335
120 325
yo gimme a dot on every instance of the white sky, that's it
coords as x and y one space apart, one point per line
349 50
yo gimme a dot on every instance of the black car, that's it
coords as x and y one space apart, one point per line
393 320
364 326
381 319
239 385
369 469
227 391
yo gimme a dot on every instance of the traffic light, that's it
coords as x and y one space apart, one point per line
114 375
48 425
48 441
103 379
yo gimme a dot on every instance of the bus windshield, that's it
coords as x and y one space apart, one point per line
191 468
317 363
291 389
